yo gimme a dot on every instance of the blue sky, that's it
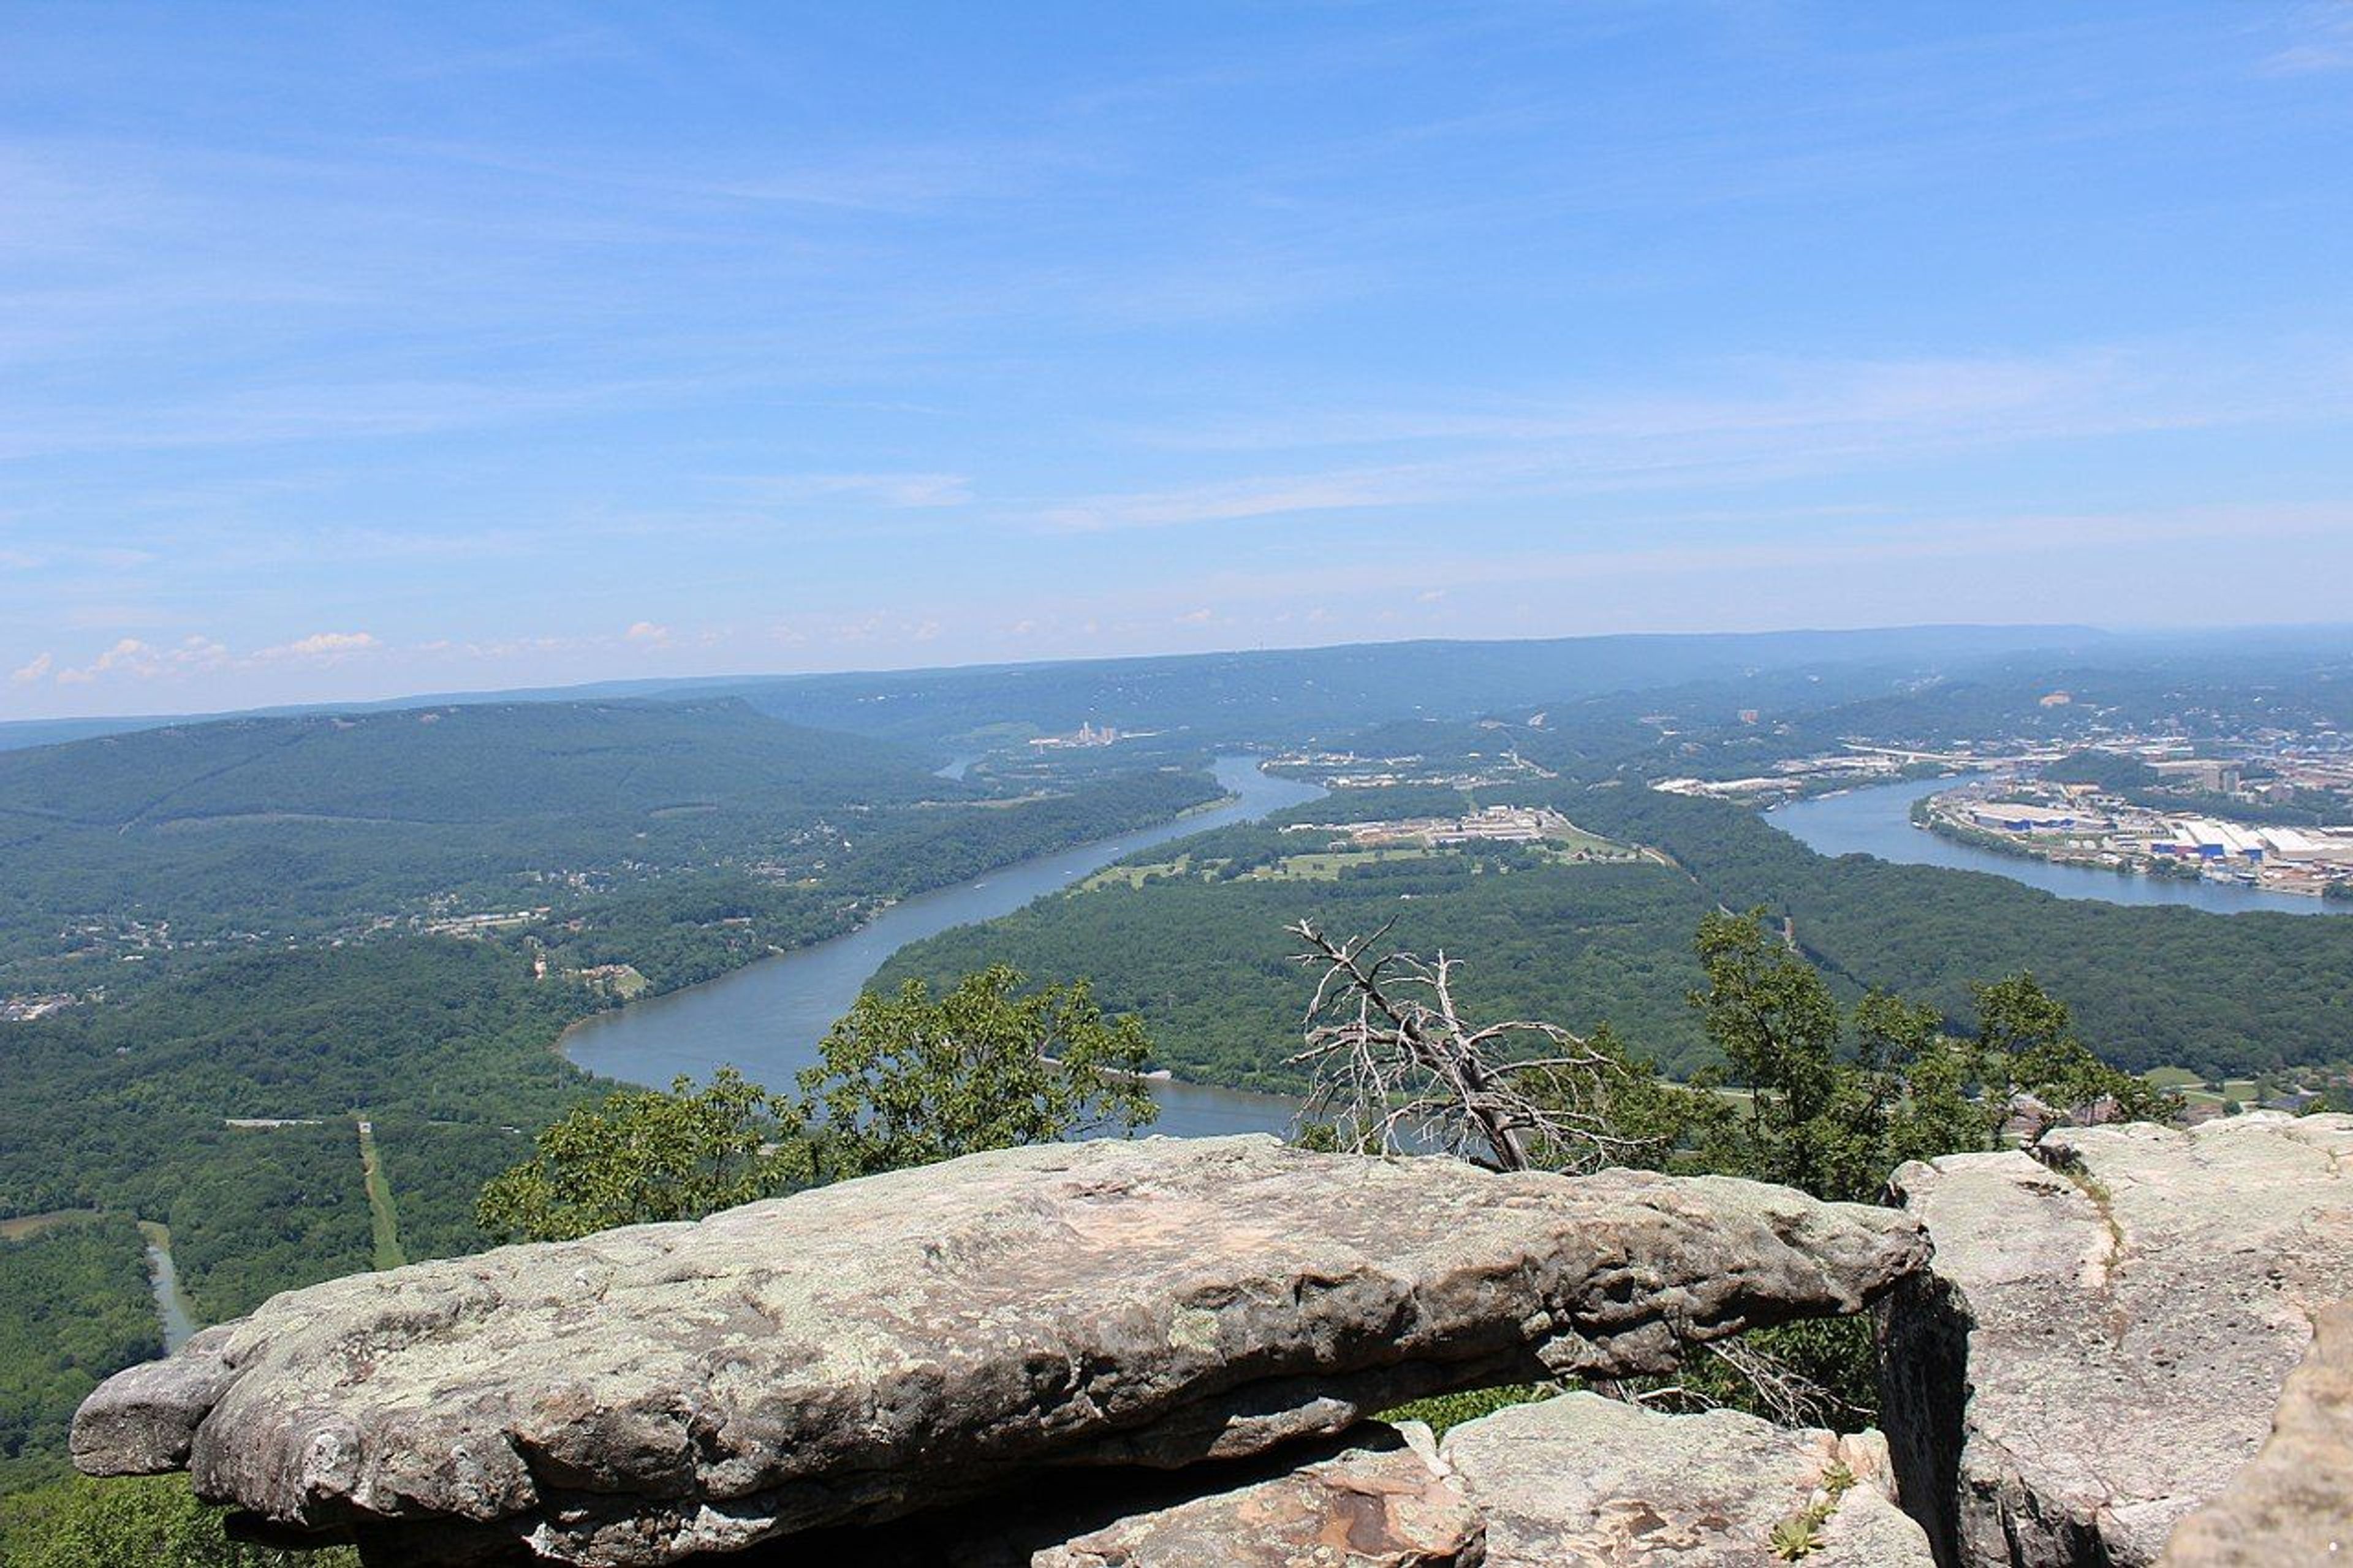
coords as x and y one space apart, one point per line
348 352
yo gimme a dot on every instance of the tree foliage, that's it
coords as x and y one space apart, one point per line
74 1307
908 1078
904 1080
640 1155
1833 1101
146 1522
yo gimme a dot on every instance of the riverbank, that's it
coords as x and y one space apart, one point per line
2150 844
1927 818
1878 821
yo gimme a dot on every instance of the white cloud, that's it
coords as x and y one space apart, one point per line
1911 541
138 659
646 633
145 661
321 645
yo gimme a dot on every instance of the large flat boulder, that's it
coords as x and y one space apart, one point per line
860 1352
1573 1479
2107 1328
2294 1503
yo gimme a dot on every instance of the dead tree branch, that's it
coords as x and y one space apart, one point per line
1393 1065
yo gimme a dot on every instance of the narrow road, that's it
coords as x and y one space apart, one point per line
383 1218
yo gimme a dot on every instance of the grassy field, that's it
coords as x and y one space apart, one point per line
1571 846
1136 876
2192 1088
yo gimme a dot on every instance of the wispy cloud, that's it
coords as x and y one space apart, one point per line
914 490
2324 42
325 412
1791 419
1435 574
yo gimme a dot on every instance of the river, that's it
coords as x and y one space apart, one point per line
1877 821
164 1280
767 1018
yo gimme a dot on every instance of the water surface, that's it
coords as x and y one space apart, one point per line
767 1018
163 1280
1877 821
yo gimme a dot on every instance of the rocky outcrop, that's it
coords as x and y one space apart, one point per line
2107 1327
1575 1478
2294 1503
856 1353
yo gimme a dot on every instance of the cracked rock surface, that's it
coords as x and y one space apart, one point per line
2107 1328
860 1352
1576 1478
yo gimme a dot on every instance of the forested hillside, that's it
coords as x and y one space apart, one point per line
131 1108
73 1307
271 934
245 828
1199 953
1206 963
2225 995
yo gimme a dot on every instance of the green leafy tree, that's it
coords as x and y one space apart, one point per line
1811 1119
911 1079
639 1155
148 1522
1834 1105
2027 1040
903 1080
1930 1076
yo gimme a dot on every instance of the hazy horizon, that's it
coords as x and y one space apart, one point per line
624 685
355 352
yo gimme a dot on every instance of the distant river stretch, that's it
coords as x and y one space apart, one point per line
767 1018
1877 821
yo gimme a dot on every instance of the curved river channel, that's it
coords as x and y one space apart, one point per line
767 1018
1876 820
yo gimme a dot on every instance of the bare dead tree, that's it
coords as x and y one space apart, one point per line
1393 1065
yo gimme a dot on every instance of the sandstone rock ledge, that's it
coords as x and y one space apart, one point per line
2107 1329
1574 1480
858 1352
